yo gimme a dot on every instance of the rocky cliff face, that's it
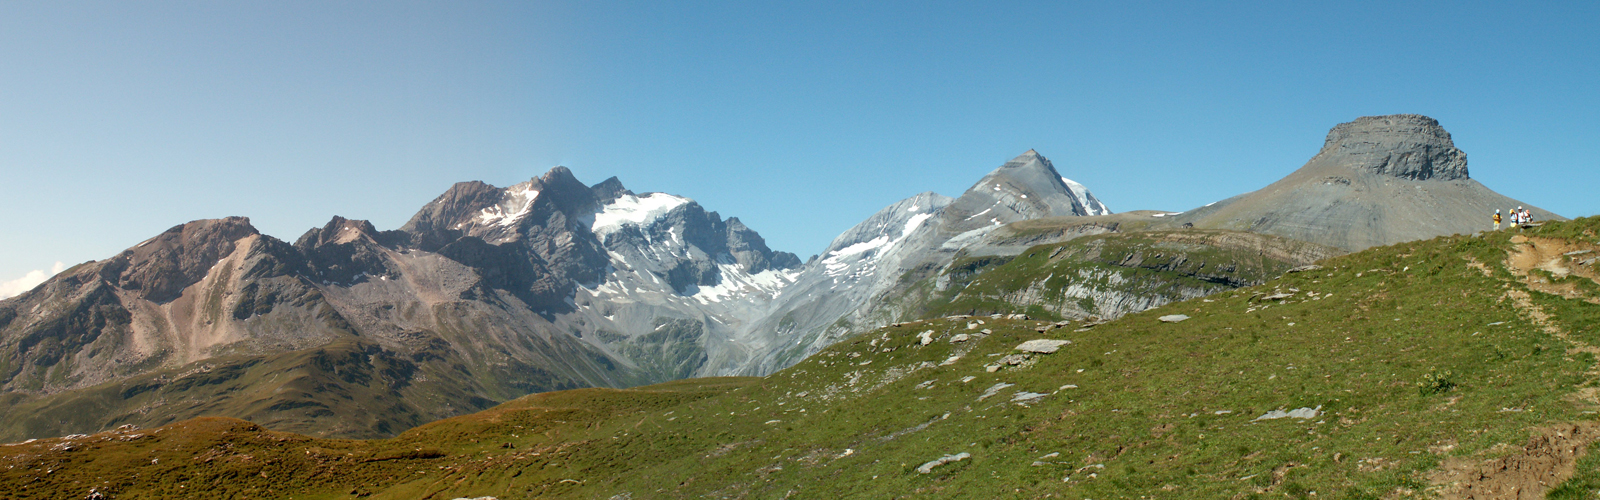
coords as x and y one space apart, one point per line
1412 147
1378 180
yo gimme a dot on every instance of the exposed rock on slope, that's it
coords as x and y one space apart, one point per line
1378 180
1113 274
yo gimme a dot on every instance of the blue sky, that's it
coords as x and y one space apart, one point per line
121 119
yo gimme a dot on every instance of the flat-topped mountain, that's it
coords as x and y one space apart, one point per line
1378 180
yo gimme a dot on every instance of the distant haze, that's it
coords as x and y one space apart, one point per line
124 119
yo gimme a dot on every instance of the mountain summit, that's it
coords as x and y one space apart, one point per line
1378 180
860 282
1412 147
1027 187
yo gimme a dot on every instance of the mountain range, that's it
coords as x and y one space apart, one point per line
490 293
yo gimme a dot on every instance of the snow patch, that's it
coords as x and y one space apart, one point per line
967 238
1081 192
514 205
860 247
634 210
738 284
855 259
912 224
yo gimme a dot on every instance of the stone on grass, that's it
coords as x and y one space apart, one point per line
1012 359
1042 346
994 389
927 468
1301 413
960 337
1173 318
1024 397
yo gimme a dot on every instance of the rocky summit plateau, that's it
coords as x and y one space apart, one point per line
488 293
1378 180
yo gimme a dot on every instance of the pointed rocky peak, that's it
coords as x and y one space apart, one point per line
498 215
566 193
161 267
751 250
1025 158
608 190
1029 171
1412 147
433 226
1027 187
337 231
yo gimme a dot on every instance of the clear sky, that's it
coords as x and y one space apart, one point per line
119 120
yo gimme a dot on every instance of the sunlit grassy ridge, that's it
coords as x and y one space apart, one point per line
1414 357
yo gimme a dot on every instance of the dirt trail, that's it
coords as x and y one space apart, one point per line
1551 455
1560 258
1549 458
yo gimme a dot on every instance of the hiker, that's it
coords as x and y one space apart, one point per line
1527 217
1496 219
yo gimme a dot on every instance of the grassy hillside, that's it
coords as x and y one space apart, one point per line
347 388
1446 368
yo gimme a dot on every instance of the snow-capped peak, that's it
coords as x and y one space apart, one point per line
634 210
1085 198
880 234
